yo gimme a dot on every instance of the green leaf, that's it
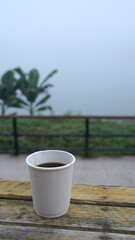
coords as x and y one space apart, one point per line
43 88
43 100
17 105
3 93
20 72
15 102
32 94
6 76
49 76
21 101
33 78
22 85
8 81
44 108
47 86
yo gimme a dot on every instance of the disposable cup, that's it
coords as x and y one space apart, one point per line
51 186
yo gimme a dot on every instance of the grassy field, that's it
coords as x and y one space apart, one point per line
69 126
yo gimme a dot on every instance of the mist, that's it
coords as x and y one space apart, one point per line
90 42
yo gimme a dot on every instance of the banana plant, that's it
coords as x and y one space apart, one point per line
35 94
8 86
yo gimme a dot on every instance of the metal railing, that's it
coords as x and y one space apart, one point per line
87 135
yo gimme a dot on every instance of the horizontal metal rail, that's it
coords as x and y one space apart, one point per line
6 134
52 134
111 135
112 149
71 117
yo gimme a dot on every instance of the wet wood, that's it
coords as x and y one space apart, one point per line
24 232
79 217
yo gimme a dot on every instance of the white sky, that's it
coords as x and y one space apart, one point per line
90 42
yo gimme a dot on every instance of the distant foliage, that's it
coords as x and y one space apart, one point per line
8 87
34 94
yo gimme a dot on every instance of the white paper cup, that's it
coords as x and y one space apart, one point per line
51 187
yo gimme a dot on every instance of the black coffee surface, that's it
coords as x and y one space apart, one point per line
51 165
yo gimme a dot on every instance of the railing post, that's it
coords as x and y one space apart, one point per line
86 136
15 136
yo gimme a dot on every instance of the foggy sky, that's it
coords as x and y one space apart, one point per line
90 42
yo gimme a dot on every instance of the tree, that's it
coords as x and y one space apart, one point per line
8 86
32 90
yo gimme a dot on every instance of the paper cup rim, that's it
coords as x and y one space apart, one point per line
52 168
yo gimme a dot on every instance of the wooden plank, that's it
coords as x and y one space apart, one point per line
104 195
24 232
79 217
15 189
88 194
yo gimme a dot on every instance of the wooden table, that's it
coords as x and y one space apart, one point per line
96 212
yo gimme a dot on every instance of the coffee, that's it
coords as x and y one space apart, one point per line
51 164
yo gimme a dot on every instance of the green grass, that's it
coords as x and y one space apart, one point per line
69 126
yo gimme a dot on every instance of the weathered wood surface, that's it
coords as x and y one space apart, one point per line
27 233
88 194
15 189
79 217
96 212
104 195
